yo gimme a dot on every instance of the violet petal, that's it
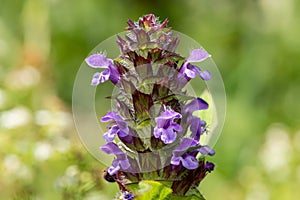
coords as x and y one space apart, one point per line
205 75
98 61
206 150
198 55
190 162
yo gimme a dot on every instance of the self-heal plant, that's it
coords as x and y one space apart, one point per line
152 130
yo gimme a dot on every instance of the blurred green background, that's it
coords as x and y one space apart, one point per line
255 44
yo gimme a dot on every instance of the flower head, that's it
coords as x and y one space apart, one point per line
153 108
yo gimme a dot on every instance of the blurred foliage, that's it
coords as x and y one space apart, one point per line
254 43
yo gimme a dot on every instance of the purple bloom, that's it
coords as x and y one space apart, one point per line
121 160
110 72
118 127
189 70
180 155
188 159
128 196
209 167
198 126
166 128
194 105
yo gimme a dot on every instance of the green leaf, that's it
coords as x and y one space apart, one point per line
154 190
192 194
150 190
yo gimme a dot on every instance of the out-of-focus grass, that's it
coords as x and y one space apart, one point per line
254 43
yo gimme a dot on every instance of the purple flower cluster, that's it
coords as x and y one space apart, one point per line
148 60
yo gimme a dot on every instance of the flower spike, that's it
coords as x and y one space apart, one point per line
152 130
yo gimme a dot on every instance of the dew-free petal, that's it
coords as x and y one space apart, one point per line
190 162
194 105
198 55
206 150
98 61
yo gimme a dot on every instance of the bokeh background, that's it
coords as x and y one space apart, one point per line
255 44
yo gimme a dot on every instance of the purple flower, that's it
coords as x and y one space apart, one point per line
189 70
180 155
194 105
110 72
206 150
188 159
209 167
166 128
128 196
197 126
118 127
121 160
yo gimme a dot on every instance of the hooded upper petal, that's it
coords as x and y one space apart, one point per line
109 116
198 55
111 148
109 136
184 145
98 61
194 105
